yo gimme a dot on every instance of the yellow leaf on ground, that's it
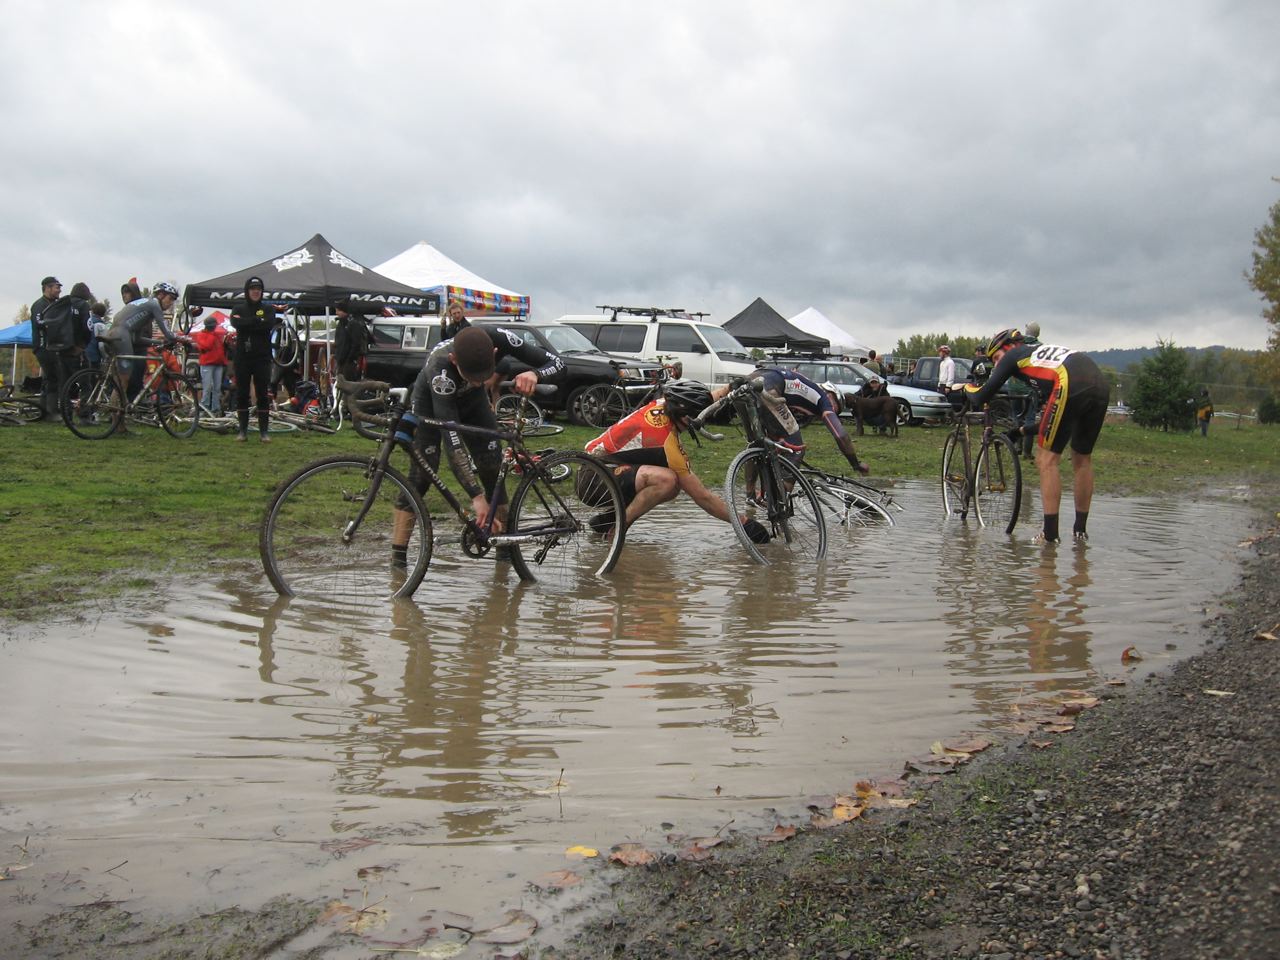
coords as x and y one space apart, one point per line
578 852
844 812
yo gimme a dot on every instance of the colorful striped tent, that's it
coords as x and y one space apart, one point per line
425 267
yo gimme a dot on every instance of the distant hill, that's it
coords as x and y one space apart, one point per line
1119 360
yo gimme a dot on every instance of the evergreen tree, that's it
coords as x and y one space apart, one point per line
1163 393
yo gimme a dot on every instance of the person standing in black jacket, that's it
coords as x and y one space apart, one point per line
50 367
253 319
351 339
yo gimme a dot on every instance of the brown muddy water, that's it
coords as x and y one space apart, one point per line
221 746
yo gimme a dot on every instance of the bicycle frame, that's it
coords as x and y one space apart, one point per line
520 459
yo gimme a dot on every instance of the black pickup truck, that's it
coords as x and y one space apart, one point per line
401 344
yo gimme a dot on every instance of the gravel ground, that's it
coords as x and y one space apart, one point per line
1148 832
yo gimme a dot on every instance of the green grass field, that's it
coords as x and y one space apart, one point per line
84 519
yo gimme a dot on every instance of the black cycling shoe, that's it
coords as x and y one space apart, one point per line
602 523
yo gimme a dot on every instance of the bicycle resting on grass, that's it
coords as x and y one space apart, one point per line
649 461
1074 410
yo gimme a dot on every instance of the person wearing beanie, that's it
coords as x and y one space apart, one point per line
253 319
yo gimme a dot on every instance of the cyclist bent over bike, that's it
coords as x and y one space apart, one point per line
1075 406
454 385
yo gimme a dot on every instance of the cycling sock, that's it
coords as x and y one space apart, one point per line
264 418
400 555
1082 521
243 416
1051 526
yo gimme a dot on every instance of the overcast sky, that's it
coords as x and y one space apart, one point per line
904 167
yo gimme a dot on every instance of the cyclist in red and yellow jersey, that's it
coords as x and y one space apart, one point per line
1075 395
649 461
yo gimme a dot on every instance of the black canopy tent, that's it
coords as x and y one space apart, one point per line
759 325
309 281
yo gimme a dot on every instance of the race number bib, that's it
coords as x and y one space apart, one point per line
1047 355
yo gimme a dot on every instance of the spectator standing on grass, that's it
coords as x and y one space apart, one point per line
350 339
211 342
50 366
98 325
253 319
1204 412
874 364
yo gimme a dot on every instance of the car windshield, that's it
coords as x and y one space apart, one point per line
568 340
723 343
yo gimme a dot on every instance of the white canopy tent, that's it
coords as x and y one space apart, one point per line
843 343
425 267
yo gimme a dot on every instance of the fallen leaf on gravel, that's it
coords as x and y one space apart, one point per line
1265 635
516 926
1220 693
1130 654
779 834
578 852
845 809
631 855
899 803
693 853
1070 708
1042 744
970 746
559 879
930 765
823 823
1059 727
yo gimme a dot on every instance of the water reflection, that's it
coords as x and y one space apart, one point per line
693 687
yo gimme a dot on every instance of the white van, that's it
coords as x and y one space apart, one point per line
706 352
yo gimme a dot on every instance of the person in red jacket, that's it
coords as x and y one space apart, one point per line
211 342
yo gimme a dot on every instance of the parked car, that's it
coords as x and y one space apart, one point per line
704 351
585 364
401 344
914 405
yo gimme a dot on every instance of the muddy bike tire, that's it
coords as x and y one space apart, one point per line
301 537
954 479
90 404
573 506
851 508
180 414
997 482
602 405
791 513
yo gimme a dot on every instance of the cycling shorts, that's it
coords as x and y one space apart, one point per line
1073 416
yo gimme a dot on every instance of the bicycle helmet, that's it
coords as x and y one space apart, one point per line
163 287
685 398
1005 338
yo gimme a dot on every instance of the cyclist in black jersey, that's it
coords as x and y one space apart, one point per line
455 384
1075 406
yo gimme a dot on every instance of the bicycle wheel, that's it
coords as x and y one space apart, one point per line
997 482
953 478
303 539
602 405
21 410
783 502
851 507
179 410
572 510
509 407
90 405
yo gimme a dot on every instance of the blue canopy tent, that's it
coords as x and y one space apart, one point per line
16 336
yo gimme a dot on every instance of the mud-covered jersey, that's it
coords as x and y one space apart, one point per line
1053 370
646 436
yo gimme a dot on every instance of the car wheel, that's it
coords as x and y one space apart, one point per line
904 414
572 406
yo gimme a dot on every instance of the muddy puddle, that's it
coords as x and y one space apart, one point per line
221 747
